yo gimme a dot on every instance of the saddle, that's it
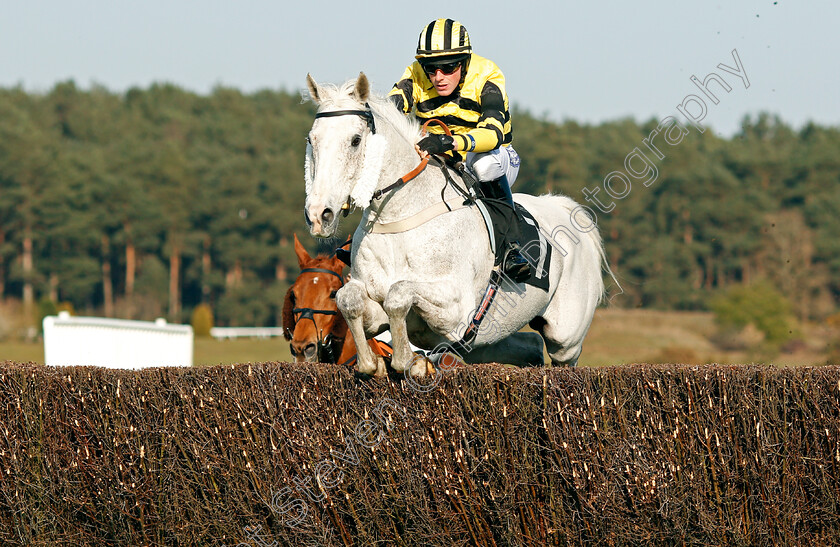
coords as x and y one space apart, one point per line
502 222
535 248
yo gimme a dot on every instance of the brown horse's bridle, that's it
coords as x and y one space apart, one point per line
329 347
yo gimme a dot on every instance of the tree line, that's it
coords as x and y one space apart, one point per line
150 202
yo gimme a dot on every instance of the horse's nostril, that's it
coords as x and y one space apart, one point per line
327 216
310 351
306 216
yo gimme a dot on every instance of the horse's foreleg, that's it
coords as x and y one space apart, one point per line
437 304
358 309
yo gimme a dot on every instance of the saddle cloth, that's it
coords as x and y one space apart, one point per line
535 248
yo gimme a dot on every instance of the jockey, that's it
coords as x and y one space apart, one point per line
450 83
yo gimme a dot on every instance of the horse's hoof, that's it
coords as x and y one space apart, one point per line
422 367
379 370
401 366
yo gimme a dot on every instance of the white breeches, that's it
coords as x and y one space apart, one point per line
495 163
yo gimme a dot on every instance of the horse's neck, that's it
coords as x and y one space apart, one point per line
421 192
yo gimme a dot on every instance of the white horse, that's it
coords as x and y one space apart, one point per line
425 281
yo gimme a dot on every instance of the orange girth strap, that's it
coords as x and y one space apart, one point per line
383 349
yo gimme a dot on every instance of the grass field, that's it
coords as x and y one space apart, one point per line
616 337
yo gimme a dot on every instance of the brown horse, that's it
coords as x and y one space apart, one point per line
311 321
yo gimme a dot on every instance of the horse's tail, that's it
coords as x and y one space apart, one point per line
594 236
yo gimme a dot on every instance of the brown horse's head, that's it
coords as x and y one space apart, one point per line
311 320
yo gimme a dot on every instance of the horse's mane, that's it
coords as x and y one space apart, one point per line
406 126
340 97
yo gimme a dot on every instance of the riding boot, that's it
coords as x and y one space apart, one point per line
515 266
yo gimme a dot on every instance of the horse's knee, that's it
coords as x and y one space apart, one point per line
350 300
399 299
567 356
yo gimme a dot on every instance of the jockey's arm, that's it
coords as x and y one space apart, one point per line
402 94
489 132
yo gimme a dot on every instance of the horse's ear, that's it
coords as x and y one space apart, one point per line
302 255
337 265
313 88
362 90
288 315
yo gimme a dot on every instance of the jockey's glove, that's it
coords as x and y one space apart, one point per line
437 144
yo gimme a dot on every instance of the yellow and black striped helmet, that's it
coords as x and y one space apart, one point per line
443 38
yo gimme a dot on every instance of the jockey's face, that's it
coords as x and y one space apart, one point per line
445 84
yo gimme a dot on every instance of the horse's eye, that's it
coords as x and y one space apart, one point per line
357 140
332 294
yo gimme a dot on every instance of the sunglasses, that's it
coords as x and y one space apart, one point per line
445 68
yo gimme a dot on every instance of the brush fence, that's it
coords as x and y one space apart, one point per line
303 454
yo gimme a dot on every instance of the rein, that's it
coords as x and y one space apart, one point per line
403 179
417 170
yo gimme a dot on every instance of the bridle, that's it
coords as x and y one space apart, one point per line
366 114
329 347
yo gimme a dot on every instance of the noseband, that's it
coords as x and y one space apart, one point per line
329 347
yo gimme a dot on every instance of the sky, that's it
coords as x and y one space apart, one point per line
586 61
